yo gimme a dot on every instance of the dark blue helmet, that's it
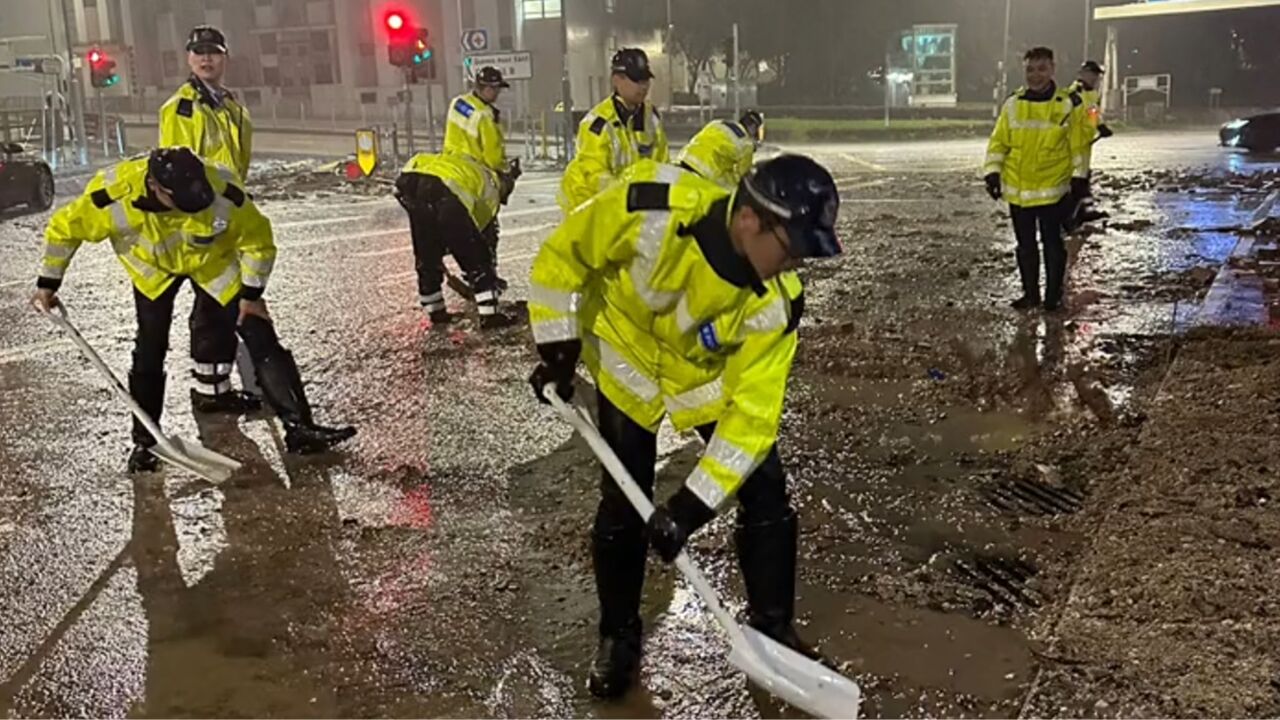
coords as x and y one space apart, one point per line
803 197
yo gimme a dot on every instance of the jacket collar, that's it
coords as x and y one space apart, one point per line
712 234
1046 94
633 118
209 95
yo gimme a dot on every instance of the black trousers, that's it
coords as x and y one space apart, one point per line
1048 220
213 342
440 224
618 542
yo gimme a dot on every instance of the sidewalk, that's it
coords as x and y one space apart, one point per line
1174 608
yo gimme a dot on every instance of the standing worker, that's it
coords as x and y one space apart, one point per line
450 198
675 292
171 218
205 116
1087 85
723 151
1038 161
473 130
622 130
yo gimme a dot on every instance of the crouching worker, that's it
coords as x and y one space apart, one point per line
170 218
675 291
452 201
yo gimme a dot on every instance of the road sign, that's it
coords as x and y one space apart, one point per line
516 65
367 150
476 40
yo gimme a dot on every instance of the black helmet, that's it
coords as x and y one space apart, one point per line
753 121
179 171
1093 66
632 62
803 196
491 76
207 40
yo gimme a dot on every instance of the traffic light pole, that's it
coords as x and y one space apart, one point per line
408 109
74 83
102 124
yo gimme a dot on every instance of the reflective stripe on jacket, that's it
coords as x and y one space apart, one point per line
721 152
472 129
227 249
475 185
607 146
639 274
1038 146
222 132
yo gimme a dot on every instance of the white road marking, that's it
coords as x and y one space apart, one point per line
864 163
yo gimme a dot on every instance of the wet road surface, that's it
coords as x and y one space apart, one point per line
438 564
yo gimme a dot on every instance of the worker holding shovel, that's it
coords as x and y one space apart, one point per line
169 218
675 292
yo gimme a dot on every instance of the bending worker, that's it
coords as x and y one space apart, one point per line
674 291
170 218
622 130
723 150
450 198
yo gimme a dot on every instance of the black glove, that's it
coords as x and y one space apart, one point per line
514 169
559 361
671 525
506 186
993 186
1080 188
1105 132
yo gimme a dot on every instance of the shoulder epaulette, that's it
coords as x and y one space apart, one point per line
186 108
599 125
643 196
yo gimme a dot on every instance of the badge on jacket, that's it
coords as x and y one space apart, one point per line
707 335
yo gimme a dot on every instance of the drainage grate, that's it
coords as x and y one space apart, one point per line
1003 578
1032 497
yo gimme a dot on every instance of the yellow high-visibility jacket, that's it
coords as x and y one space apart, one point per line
672 319
475 185
1092 102
607 145
721 152
222 132
227 249
1038 146
472 129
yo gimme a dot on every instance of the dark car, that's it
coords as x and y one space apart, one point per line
1260 133
24 180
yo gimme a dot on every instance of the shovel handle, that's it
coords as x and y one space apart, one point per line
578 418
58 315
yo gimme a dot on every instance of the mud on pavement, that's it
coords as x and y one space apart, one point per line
954 464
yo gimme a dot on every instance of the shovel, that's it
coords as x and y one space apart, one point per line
188 455
804 683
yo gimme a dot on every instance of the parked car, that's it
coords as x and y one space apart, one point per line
24 179
1260 133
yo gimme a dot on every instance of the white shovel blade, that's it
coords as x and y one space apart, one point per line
1264 210
804 683
198 459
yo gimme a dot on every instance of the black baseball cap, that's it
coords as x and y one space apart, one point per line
1093 66
182 174
632 62
492 76
207 40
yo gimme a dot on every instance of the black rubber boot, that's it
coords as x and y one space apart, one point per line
232 402
767 556
1055 261
282 386
440 317
619 559
148 391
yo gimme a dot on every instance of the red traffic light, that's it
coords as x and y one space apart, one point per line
95 56
395 21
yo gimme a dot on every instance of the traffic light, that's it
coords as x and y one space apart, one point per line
408 45
102 69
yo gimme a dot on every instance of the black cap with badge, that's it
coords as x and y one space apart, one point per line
632 62
491 76
1093 66
182 175
207 40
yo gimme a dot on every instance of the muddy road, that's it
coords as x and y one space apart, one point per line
946 455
